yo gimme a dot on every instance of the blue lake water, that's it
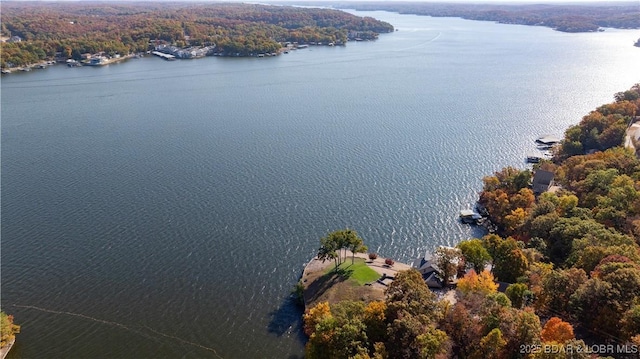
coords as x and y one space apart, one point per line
165 209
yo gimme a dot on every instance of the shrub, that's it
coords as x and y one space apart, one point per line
389 261
373 256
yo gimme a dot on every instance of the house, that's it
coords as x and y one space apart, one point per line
426 265
542 180
429 270
15 39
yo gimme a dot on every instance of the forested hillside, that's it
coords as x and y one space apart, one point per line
73 28
566 17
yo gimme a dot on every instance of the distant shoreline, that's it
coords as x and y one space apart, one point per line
45 64
578 17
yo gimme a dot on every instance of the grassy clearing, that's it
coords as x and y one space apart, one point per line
359 271
345 284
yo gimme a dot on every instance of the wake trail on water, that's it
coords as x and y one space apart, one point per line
421 44
123 326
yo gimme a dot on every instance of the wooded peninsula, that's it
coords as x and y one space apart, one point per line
37 31
559 277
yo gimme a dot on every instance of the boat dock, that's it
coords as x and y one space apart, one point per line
163 55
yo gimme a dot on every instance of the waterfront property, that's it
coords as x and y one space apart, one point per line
428 267
367 278
542 181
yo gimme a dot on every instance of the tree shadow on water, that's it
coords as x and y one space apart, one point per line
286 320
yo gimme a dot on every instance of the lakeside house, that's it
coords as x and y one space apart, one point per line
429 270
542 181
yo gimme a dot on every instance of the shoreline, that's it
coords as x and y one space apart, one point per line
4 351
315 268
42 65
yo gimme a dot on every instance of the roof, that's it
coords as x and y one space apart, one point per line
542 180
470 214
548 140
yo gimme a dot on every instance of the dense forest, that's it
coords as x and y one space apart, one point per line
43 29
567 18
568 258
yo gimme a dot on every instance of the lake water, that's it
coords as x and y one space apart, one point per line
165 209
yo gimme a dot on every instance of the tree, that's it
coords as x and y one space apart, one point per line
375 320
492 345
337 331
556 330
631 322
8 329
408 293
517 293
464 329
536 277
509 262
474 254
524 328
432 342
473 283
594 306
332 245
447 260
315 315
559 286
410 337
327 251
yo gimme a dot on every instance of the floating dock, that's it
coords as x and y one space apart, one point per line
163 55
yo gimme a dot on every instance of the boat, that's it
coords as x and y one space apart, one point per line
548 140
533 158
73 63
537 157
469 216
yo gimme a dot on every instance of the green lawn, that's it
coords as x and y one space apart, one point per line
358 271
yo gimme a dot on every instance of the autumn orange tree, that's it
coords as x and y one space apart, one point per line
556 330
482 283
507 198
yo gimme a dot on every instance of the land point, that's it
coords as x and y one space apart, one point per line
364 279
